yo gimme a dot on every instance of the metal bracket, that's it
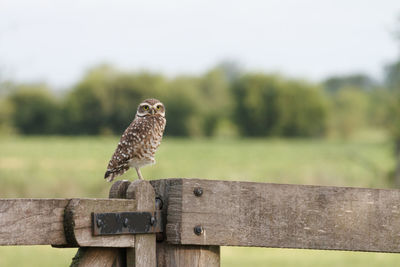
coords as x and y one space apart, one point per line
119 223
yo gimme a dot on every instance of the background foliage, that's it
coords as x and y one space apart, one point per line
222 102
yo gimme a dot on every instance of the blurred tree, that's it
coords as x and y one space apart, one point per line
197 106
6 109
84 111
6 112
105 101
221 101
35 110
302 110
349 110
392 75
378 114
270 105
216 100
393 83
396 134
392 80
362 81
255 109
182 105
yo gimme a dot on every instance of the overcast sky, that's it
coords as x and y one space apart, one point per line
56 41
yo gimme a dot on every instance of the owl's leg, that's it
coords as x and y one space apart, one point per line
139 173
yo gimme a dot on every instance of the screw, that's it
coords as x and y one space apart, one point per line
126 221
152 220
198 230
99 222
159 203
198 191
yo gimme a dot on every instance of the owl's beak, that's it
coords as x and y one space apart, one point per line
153 111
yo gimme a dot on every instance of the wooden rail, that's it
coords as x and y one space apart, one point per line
281 215
41 222
202 215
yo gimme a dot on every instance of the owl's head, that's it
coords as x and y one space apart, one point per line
151 107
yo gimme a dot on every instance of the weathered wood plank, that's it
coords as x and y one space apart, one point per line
79 220
32 221
279 215
41 222
144 253
170 255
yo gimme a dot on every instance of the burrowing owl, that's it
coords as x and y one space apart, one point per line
140 140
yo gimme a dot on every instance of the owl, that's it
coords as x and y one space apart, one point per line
139 142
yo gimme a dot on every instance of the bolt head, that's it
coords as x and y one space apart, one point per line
159 203
126 221
198 230
99 222
152 220
198 191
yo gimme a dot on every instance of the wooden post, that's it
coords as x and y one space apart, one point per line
101 257
144 252
176 255
169 255
104 257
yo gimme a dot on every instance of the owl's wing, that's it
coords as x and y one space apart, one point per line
119 162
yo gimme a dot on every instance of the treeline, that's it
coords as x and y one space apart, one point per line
221 102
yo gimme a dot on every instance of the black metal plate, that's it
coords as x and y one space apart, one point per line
116 223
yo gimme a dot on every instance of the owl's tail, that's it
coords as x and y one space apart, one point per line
111 173
109 176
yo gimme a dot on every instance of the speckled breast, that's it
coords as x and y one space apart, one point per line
147 148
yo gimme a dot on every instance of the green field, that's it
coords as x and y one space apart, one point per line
74 167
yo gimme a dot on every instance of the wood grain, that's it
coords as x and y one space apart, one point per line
144 253
32 221
99 257
78 222
231 213
170 255
41 222
118 189
116 257
280 215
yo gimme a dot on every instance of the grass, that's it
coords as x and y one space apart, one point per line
269 257
74 167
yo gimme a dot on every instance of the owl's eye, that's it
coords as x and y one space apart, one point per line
146 107
158 107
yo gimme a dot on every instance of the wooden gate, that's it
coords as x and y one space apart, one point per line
189 219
